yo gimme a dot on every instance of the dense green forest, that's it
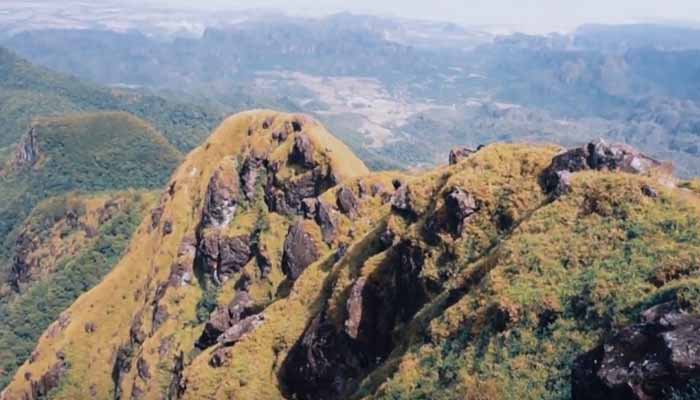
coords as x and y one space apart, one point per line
24 316
28 91
86 152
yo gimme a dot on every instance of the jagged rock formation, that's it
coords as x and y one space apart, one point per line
222 196
287 270
225 318
27 151
594 156
459 154
300 250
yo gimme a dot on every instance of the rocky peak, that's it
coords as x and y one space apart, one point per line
594 156
460 154
328 282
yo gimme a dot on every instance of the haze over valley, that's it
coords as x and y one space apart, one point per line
388 86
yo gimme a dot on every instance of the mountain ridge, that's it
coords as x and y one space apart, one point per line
30 91
84 152
276 265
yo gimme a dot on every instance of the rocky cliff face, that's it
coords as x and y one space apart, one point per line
276 266
27 151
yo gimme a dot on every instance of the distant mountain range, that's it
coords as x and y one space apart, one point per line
388 86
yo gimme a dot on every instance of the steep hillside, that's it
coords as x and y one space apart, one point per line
276 266
28 91
89 152
63 249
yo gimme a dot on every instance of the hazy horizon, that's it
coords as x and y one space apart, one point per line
528 15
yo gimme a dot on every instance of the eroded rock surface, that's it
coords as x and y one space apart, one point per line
222 197
460 206
594 156
121 367
367 321
326 220
460 153
347 202
27 151
234 254
221 256
647 361
21 268
220 357
401 201
323 365
182 272
300 250
41 388
288 196
249 175
241 329
303 151
329 361
224 318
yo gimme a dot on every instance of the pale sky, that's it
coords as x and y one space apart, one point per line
535 15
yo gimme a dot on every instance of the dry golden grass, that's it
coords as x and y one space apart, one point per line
113 304
520 256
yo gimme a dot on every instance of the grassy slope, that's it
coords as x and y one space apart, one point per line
148 260
257 360
28 91
89 152
626 252
73 259
594 272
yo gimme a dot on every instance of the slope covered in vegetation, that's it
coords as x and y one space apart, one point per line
45 265
64 248
87 152
276 266
28 91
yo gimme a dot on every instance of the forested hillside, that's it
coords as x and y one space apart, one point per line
28 91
